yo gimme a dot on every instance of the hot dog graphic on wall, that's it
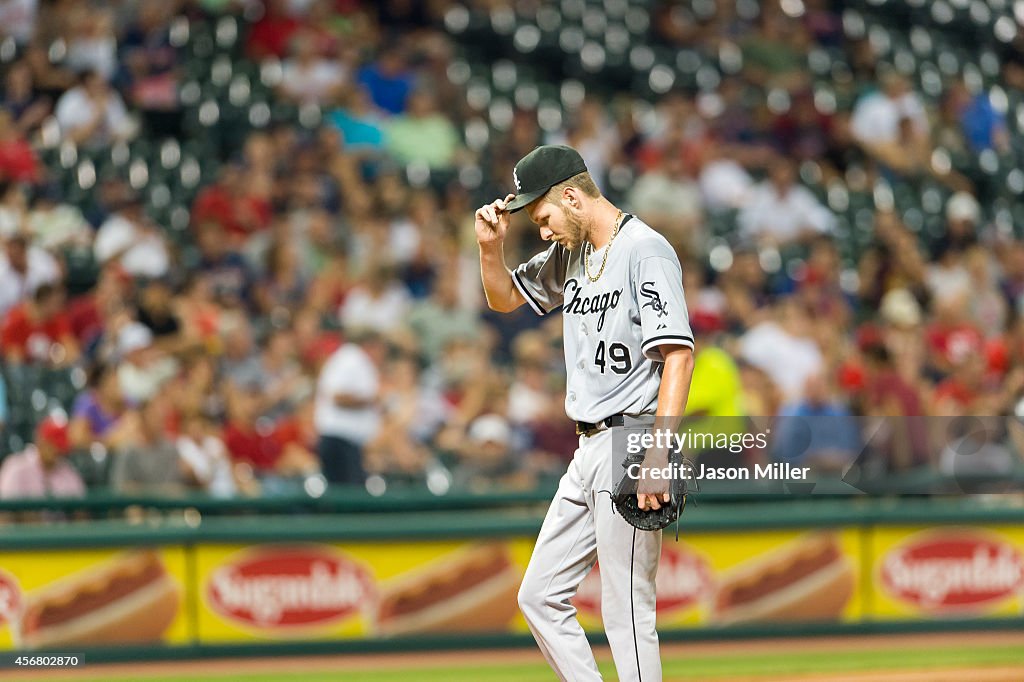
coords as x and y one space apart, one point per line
469 590
804 580
129 598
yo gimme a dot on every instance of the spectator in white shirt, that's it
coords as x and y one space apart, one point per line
487 457
129 238
18 19
892 125
13 208
380 302
877 115
724 184
347 411
309 78
206 457
530 395
92 45
143 368
92 113
23 268
781 211
55 224
785 350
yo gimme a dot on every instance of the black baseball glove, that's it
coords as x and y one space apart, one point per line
678 487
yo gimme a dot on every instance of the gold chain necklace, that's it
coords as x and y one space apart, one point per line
588 249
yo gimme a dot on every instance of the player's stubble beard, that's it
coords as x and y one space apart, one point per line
576 229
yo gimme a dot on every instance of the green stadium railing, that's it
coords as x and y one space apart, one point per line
826 513
357 501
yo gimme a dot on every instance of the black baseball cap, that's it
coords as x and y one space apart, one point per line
542 169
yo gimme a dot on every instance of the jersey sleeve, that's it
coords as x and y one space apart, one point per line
658 287
541 279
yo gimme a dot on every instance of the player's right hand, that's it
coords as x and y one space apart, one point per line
492 221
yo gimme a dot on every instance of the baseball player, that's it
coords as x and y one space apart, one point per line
628 352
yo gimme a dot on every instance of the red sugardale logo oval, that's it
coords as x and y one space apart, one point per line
952 572
683 578
284 587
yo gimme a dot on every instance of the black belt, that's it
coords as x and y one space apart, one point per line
588 429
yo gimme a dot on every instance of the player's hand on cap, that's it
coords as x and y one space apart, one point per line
492 221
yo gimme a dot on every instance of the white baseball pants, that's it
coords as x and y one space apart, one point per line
582 527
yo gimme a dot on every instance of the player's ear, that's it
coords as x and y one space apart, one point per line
571 196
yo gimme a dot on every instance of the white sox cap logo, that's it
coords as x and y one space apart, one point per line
515 178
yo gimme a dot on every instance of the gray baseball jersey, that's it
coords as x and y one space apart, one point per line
612 327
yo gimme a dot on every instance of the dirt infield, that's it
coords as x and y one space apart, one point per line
1013 674
238 668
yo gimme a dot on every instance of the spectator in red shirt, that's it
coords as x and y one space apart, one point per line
258 448
18 162
959 394
313 343
972 388
888 393
198 312
298 430
215 203
271 35
952 336
93 312
38 330
234 203
904 443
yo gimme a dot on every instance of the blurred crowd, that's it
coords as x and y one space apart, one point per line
324 318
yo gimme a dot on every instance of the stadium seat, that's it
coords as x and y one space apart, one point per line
82 270
12 441
62 385
93 465
8 50
226 33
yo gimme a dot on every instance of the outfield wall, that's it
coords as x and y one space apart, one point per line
450 579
